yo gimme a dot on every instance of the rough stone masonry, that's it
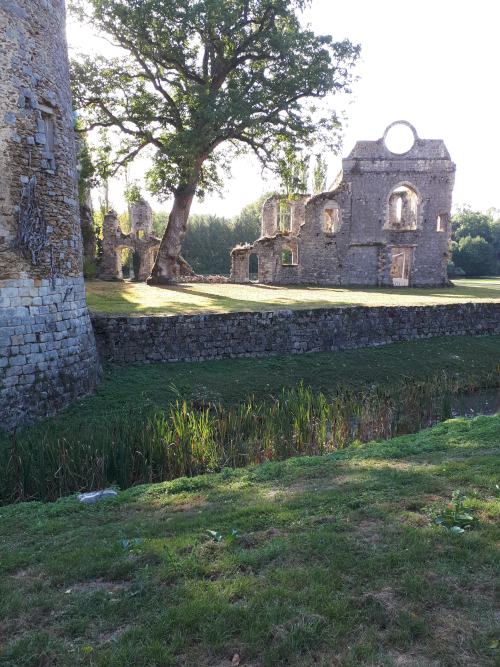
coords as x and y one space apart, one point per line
384 221
146 340
48 356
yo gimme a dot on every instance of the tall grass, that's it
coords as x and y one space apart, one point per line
145 445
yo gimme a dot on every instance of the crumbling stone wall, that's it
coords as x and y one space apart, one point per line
88 230
144 340
47 348
384 221
141 239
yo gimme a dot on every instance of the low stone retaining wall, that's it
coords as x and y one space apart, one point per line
139 340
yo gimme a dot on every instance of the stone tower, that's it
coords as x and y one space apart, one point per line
48 356
142 218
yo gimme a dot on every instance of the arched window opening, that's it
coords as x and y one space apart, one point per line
253 267
285 218
403 209
399 209
332 219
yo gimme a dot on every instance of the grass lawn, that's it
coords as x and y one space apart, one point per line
231 380
334 563
139 299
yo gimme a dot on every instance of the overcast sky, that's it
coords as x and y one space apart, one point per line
435 63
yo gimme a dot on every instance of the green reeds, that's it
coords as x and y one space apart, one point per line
144 446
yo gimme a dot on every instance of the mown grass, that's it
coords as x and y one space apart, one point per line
140 299
334 564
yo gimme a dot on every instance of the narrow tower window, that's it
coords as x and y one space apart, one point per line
49 133
441 222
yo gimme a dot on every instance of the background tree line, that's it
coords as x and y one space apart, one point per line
475 242
209 238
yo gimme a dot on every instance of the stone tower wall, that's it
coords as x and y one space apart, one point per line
47 349
142 217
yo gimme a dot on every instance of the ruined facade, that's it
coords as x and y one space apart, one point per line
140 239
384 221
47 349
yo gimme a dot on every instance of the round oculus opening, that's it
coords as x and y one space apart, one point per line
399 139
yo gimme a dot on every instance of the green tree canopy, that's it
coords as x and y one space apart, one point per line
471 223
474 255
197 81
319 175
133 193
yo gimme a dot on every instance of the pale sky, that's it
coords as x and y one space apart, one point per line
435 63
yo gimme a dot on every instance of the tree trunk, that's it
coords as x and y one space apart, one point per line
170 247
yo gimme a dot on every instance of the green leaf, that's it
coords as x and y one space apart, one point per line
217 536
493 644
456 529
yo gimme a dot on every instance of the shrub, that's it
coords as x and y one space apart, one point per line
454 270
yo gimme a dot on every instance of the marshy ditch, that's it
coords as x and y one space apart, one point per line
145 444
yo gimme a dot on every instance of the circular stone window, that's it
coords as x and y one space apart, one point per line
399 139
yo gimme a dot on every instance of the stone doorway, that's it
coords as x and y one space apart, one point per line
400 267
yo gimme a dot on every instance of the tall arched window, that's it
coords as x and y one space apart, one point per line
284 218
403 208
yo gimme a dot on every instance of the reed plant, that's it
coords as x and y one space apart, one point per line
149 445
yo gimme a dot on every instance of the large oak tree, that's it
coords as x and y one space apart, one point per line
196 82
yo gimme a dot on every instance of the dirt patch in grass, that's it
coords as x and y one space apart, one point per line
281 633
368 531
108 637
411 660
386 599
98 585
414 519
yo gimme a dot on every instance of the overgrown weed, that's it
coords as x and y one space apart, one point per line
150 445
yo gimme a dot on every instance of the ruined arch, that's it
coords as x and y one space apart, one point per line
403 204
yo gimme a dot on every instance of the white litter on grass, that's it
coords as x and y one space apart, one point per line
95 496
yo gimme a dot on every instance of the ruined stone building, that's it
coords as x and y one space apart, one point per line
47 348
384 221
140 239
